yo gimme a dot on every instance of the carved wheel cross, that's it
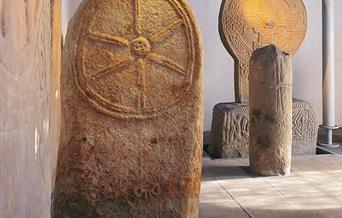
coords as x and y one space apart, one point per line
143 52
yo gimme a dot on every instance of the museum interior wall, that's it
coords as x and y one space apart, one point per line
219 66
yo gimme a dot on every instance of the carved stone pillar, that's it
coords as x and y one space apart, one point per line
132 100
270 112
230 130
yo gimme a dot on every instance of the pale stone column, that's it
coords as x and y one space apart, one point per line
29 114
328 73
270 112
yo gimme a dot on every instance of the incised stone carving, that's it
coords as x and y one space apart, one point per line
230 130
246 25
132 102
270 112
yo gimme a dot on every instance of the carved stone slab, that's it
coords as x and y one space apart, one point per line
132 101
246 25
230 130
304 128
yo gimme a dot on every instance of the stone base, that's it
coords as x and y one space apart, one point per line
230 130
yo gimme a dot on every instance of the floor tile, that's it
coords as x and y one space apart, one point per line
331 161
313 190
249 187
221 209
213 191
262 207
315 201
305 163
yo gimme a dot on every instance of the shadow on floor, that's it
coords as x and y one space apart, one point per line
227 172
227 209
313 190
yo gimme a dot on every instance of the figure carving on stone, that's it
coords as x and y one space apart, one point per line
132 102
140 47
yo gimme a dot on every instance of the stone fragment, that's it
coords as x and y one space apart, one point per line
246 25
132 102
230 130
304 128
270 112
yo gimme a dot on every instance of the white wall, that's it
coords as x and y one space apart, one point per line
338 30
219 66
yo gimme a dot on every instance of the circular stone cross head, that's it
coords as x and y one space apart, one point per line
142 67
140 46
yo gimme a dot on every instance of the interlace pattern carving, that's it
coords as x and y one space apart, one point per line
247 25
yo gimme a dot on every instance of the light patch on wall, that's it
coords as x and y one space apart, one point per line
46 126
57 94
36 143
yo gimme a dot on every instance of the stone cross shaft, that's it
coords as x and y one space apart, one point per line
270 112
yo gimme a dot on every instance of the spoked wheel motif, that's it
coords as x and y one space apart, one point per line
135 58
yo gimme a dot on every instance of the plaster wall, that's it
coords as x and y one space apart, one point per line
29 106
219 66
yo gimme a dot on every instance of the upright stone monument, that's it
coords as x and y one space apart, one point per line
132 102
270 112
230 130
244 26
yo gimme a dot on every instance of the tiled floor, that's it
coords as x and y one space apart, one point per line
313 190
328 150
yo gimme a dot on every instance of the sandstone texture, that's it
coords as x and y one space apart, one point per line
132 106
270 112
246 25
230 130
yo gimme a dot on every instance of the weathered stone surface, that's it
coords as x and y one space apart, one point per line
29 81
230 130
304 128
270 112
132 101
246 25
